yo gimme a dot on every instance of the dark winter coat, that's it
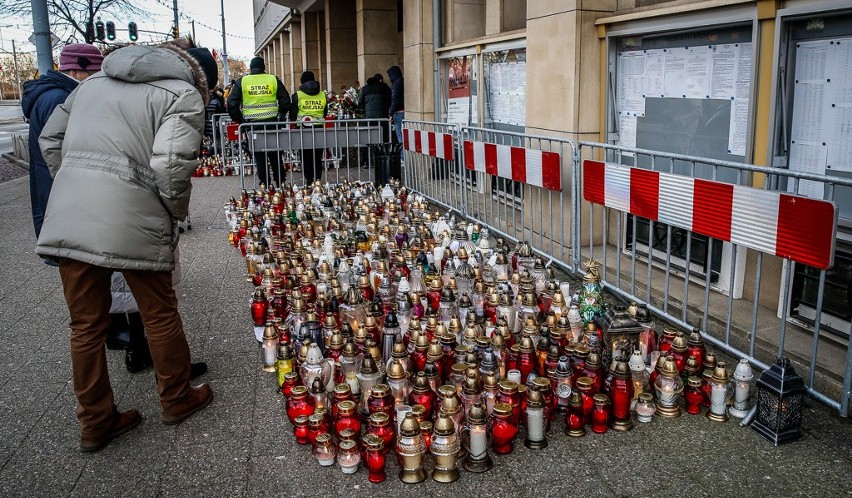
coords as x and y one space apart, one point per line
216 105
41 97
397 102
375 100
122 149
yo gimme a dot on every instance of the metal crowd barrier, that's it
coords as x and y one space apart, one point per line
332 150
220 123
516 185
505 182
759 222
431 160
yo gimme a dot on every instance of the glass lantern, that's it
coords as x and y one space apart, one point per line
645 408
348 457
536 438
476 438
398 382
668 387
720 393
445 449
780 393
270 348
374 458
324 450
410 450
743 377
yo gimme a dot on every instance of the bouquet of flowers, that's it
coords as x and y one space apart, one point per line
343 105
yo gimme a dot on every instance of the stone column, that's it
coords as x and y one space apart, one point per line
564 84
272 63
378 39
296 61
418 55
340 44
311 57
286 72
554 69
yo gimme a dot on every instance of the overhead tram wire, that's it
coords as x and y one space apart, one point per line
211 28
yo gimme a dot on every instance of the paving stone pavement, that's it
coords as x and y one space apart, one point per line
242 445
10 170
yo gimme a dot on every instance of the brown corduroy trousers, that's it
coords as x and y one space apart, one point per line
87 292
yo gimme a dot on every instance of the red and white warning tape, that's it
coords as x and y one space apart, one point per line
430 143
789 226
532 166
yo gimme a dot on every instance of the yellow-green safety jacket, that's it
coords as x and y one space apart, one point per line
312 106
259 100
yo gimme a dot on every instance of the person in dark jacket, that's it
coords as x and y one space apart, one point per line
397 103
41 96
309 108
259 97
374 100
216 105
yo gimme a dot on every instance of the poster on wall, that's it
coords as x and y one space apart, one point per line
459 102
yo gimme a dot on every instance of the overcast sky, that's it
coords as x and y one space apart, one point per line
206 13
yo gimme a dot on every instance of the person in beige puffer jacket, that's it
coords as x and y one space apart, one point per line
122 149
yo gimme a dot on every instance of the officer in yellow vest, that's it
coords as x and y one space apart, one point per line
259 98
309 107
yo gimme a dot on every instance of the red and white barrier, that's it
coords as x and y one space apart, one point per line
789 226
532 166
430 143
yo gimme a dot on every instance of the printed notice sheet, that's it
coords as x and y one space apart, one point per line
808 159
821 132
632 82
738 131
721 72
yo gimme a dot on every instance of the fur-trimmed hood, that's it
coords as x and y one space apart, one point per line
146 64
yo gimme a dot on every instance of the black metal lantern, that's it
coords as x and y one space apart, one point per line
780 392
620 333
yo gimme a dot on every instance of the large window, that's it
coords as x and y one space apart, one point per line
502 100
814 135
685 92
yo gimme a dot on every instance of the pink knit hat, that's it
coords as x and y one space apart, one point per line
80 56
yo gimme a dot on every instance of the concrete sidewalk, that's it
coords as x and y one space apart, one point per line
242 445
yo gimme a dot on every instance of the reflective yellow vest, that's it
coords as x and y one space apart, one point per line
312 106
259 100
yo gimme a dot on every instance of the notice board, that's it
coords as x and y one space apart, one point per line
687 93
821 131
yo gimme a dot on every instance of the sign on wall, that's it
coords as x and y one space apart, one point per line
461 109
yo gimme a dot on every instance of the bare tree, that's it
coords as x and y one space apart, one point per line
71 18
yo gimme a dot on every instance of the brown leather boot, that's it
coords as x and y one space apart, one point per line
121 423
198 398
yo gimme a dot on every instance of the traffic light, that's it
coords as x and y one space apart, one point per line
99 30
132 33
110 30
175 32
90 32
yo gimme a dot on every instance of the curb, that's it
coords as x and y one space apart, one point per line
15 160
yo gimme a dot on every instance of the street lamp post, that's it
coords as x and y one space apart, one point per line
225 79
41 30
